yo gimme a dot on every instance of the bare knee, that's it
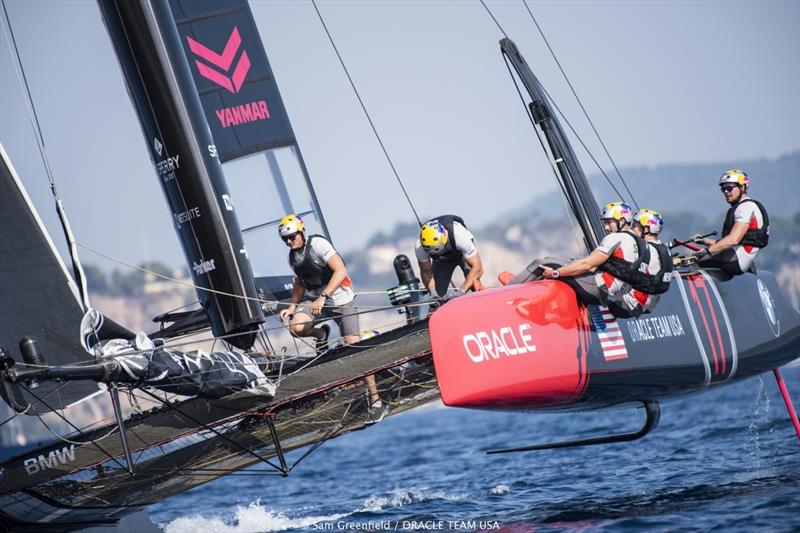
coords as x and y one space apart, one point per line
301 326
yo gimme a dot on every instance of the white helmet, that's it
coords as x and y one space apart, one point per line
291 224
737 177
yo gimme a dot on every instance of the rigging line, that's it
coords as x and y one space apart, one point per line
494 19
586 148
76 428
580 103
77 267
40 416
364 108
211 429
12 417
333 431
544 148
206 289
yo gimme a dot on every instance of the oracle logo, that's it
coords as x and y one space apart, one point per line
226 74
508 341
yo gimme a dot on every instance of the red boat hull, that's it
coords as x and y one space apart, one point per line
533 347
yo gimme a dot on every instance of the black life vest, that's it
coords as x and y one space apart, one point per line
754 237
635 273
450 254
313 272
624 270
656 283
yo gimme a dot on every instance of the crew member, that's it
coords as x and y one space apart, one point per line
444 244
647 223
321 289
744 233
618 260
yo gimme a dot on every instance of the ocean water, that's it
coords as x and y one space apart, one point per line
727 459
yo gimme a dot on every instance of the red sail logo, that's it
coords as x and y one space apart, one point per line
224 62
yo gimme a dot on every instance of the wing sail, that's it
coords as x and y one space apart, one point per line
263 164
35 280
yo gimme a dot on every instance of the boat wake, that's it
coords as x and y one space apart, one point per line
254 518
403 497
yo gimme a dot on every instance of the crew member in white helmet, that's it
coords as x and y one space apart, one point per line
322 288
745 230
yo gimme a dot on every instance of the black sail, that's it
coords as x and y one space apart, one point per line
187 164
263 165
38 298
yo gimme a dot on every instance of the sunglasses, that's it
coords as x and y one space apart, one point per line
727 188
290 238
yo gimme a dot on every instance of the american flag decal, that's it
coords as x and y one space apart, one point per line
611 340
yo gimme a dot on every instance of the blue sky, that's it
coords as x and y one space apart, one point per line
663 81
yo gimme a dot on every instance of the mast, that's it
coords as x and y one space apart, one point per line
186 161
262 161
568 170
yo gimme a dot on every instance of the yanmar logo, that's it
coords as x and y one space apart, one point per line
53 460
484 345
224 62
242 114
230 76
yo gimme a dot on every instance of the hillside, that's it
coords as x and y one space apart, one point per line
692 187
687 195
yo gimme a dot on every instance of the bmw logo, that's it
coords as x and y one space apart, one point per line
769 308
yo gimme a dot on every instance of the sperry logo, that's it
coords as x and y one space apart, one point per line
53 460
484 345
166 167
224 62
158 146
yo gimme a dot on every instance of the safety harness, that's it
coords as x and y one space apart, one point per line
313 272
635 273
754 237
450 254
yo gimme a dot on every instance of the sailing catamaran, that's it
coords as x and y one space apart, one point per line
210 109
218 133
534 347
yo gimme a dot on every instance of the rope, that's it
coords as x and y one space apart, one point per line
222 293
494 19
366 113
76 428
77 268
580 103
569 216
12 417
